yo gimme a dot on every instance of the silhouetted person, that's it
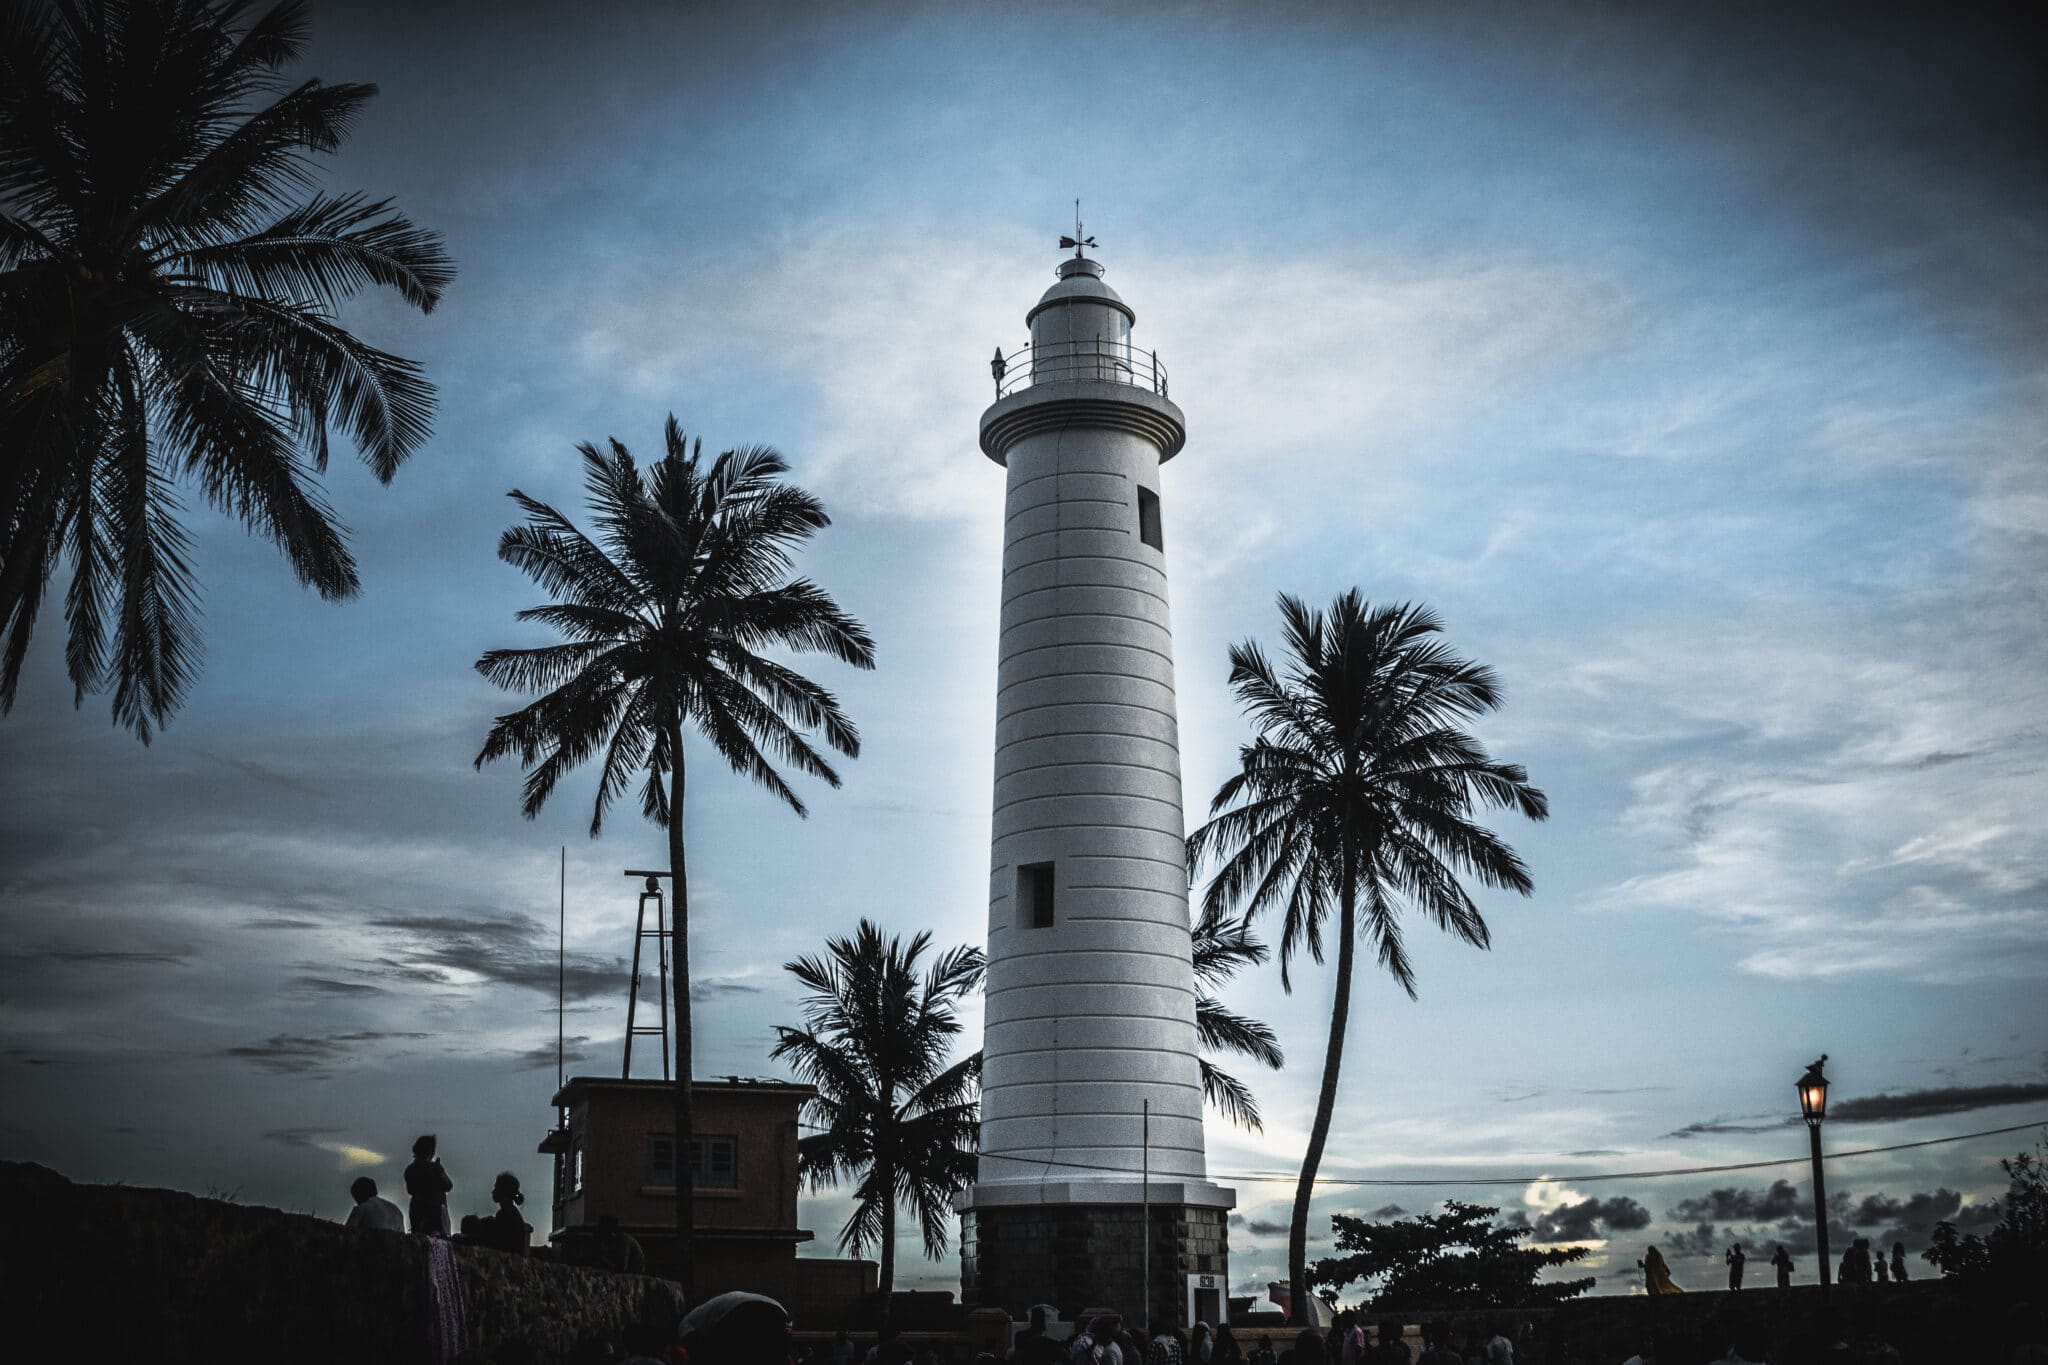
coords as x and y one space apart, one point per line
740 1329
1878 1267
1783 1261
505 1229
1228 1352
1898 1262
1656 1274
1263 1353
1391 1349
1307 1350
428 1184
1347 1343
1034 1346
889 1347
372 1210
1736 1260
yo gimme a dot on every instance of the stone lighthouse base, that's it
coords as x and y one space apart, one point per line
1080 1244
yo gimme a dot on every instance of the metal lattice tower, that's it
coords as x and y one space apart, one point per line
660 933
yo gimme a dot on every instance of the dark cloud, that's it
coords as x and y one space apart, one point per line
1258 1227
1730 1205
1911 1220
1388 1211
320 985
1699 1240
542 1055
286 1054
125 959
704 991
1920 1104
1237 1220
298 1137
260 772
279 922
1583 1221
508 950
1595 1151
1746 1124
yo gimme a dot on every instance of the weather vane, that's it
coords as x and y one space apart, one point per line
1077 241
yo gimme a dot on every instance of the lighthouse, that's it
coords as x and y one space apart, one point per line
1092 1188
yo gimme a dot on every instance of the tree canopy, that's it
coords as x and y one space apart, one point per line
1460 1258
170 279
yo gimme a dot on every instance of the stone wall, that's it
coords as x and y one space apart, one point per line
178 1278
1925 1319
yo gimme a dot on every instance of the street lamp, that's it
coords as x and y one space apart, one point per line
1813 1106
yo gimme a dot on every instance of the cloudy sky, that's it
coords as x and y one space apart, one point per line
1690 365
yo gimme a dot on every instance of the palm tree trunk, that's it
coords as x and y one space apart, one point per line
888 1273
1326 1102
685 1116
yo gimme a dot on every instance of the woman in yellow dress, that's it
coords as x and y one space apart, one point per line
1657 1275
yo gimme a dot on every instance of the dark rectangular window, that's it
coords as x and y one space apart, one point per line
715 1164
1034 896
1148 519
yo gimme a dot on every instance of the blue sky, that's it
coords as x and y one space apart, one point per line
1689 364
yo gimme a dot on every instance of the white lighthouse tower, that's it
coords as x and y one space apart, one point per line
1091 1092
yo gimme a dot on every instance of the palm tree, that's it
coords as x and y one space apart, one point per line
666 612
896 1116
1357 792
1223 947
168 285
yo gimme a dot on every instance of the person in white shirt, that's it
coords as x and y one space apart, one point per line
373 1210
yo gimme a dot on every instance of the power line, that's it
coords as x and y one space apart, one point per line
1435 1182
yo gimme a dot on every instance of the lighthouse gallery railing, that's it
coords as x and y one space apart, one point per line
1055 362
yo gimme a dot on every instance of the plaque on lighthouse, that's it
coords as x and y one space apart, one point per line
1092 1188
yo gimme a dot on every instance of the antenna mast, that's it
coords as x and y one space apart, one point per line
561 959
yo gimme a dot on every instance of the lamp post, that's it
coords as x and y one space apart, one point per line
1813 1106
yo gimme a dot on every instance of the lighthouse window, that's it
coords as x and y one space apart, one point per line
1148 519
1034 896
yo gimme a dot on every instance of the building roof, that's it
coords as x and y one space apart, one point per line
576 1087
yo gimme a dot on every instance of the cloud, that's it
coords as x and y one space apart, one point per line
279 922
1920 1104
1731 1205
262 773
509 950
1389 1211
1585 1219
287 1054
1594 1151
1722 1125
542 1055
353 1156
707 989
320 985
129 959
1259 1227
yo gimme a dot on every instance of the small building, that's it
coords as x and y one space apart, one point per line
616 1158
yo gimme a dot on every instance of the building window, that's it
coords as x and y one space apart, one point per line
1148 519
1034 896
715 1165
575 1172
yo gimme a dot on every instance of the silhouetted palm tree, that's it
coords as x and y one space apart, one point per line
1223 947
1356 794
665 613
897 1116
168 280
